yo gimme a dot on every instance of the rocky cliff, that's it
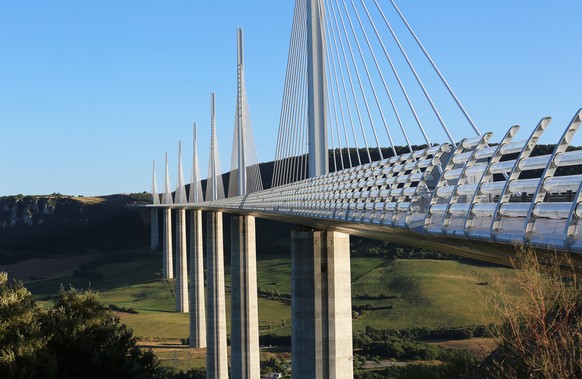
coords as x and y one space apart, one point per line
56 224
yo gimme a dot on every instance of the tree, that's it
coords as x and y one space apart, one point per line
23 352
77 338
89 341
542 333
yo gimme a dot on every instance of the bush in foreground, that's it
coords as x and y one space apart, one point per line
542 333
77 338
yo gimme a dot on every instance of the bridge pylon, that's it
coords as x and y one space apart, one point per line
245 359
182 300
167 258
321 301
155 232
214 184
216 351
197 306
316 90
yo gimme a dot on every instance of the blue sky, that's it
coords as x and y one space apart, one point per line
91 92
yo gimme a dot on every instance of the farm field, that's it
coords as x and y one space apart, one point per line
394 294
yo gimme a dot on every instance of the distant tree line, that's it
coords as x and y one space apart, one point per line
424 333
364 247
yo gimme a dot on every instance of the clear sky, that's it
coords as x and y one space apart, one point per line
92 91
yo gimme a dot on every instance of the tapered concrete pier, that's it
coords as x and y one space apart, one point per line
321 340
155 230
167 260
216 352
197 306
182 301
245 360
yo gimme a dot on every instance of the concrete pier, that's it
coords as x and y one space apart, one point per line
168 263
197 306
216 352
321 305
245 360
155 230
182 301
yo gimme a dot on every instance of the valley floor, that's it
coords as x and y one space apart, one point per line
386 294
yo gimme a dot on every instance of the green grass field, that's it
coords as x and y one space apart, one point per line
137 285
402 293
427 293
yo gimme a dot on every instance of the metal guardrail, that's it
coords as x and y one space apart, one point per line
480 193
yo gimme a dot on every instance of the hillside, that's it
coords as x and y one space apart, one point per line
386 293
41 226
56 225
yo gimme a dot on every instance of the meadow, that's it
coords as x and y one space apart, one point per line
396 294
400 293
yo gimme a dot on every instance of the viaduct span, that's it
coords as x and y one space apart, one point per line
474 196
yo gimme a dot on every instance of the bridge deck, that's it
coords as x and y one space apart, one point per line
474 200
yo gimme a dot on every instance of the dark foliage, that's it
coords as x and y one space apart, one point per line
23 350
77 338
461 366
90 342
407 344
274 340
117 308
39 226
273 365
195 373
362 340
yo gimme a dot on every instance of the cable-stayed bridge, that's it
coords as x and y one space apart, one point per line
360 150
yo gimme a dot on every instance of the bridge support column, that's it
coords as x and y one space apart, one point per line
245 360
167 264
155 230
181 263
216 353
321 305
197 307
